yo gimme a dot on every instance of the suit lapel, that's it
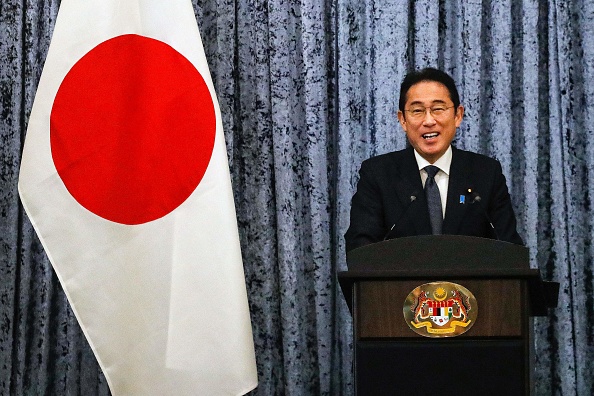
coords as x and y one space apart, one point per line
409 184
459 184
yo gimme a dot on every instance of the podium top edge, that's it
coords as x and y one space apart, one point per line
487 273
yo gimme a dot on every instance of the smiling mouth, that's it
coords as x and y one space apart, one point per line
430 135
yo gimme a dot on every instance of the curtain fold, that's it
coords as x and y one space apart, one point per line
309 89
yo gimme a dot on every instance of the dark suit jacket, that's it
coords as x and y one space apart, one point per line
388 181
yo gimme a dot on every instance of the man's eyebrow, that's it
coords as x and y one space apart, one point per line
436 101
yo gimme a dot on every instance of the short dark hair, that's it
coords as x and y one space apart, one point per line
428 74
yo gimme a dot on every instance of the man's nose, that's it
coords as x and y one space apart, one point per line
428 119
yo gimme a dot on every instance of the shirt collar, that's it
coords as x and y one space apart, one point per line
443 163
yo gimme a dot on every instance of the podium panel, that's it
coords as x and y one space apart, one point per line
471 367
379 308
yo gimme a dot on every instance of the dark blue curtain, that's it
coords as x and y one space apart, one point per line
308 89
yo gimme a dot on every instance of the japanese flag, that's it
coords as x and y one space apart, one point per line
125 178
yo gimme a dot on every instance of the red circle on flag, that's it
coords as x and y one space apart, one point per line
132 129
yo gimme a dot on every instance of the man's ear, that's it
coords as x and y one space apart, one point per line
459 115
402 120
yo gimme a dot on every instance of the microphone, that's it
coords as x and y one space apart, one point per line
477 199
413 198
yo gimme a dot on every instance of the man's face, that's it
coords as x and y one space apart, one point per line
430 134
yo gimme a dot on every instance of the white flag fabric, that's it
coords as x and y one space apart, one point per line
125 178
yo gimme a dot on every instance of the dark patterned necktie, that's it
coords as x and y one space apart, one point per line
433 200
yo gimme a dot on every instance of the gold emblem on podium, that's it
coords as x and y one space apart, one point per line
440 309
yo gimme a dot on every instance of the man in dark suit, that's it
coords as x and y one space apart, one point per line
430 187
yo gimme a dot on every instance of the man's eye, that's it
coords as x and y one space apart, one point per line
438 110
416 112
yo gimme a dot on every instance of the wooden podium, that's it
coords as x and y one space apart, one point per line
492 358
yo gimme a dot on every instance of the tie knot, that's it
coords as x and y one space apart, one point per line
431 170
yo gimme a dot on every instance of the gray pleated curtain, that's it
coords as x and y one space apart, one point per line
308 89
